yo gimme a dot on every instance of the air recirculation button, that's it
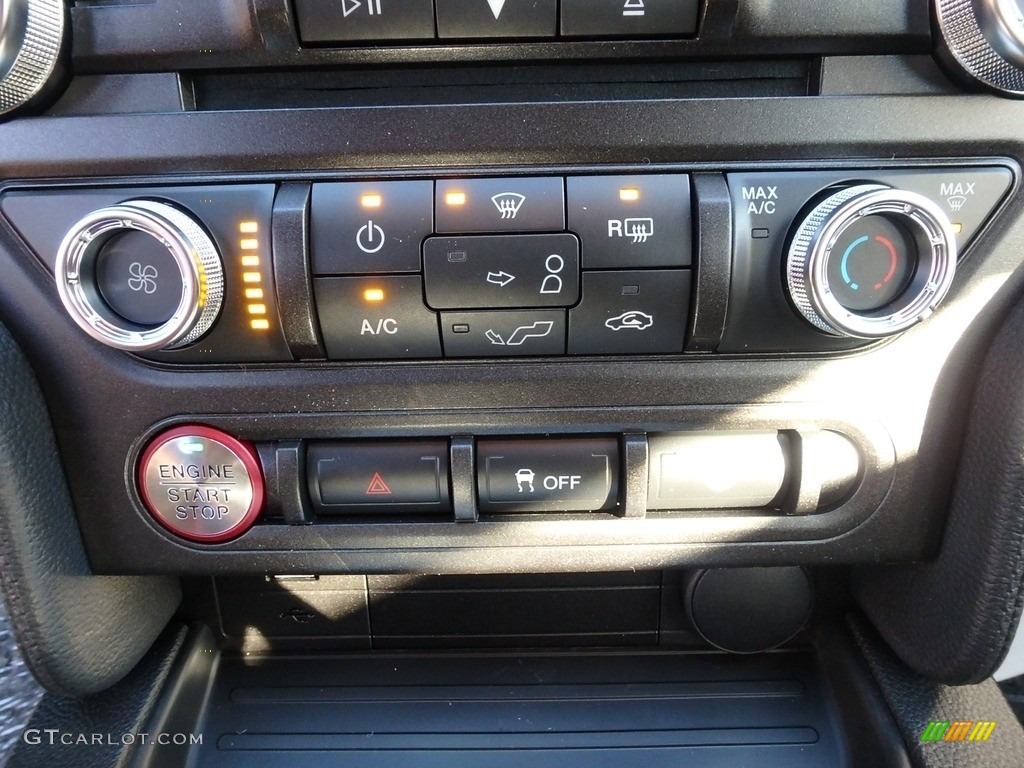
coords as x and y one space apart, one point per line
140 276
870 261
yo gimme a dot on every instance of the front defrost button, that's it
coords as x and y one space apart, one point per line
512 204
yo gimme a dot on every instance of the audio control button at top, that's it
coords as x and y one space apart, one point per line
496 18
328 21
629 18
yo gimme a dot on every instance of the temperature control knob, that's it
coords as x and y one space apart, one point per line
140 276
870 261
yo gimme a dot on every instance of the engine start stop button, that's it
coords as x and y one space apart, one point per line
201 483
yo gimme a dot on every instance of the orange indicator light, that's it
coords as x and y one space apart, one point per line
455 198
372 201
254 293
257 309
259 325
250 261
251 277
250 244
249 227
373 295
629 194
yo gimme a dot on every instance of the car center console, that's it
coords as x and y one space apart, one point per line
568 344
292 275
373 286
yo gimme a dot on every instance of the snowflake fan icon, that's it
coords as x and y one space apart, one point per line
143 278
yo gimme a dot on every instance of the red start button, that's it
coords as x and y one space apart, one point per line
201 484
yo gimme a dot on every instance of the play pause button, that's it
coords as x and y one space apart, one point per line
378 477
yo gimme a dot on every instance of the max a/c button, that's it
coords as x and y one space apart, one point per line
374 477
550 475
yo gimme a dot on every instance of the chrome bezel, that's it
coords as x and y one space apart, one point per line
193 253
31 41
813 245
984 38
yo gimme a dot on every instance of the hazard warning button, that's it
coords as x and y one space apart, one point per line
372 477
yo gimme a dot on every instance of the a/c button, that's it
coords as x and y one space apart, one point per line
376 318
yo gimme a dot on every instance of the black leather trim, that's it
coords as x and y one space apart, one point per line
103 730
80 633
953 619
915 701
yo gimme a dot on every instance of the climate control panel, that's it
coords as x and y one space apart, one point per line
659 262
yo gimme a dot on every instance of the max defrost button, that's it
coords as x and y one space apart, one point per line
201 484
391 476
550 475
375 318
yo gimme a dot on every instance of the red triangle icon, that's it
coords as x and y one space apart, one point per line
377 486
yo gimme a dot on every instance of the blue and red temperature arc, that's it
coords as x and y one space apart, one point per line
893 260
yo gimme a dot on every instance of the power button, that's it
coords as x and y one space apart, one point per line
201 484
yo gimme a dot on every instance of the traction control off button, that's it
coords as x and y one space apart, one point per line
548 475
201 484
